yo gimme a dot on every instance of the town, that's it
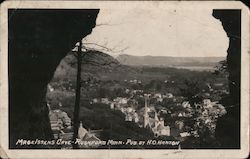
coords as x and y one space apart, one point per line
162 114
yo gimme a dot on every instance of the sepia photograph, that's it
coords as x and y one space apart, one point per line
170 79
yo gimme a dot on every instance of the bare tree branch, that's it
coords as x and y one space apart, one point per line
102 24
97 45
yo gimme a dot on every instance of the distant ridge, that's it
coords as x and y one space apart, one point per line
95 64
168 60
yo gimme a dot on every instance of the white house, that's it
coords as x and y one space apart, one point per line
157 95
95 100
186 104
160 129
168 95
112 105
81 131
105 100
185 134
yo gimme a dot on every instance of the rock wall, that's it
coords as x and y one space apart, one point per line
228 127
38 40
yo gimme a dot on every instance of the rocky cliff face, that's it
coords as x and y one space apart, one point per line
38 40
228 127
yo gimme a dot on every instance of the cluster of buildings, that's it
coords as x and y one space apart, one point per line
62 128
146 117
151 120
135 81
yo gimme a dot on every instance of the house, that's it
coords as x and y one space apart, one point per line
129 117
121 100
112 105
127 91
123 110
209 87
51 89
195 133
205 113
105 100
81 131
136 117
179 124
130 109
157 95
218 84
59 120
208 121
137 91
132 117
206 101
132 102
60 123
95 100
85 135
186 104
208 104
185 134
160 129
180 115
159 99
168 95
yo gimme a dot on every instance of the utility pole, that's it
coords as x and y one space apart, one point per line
77 95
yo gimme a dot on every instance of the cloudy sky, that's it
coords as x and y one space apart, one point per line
160 32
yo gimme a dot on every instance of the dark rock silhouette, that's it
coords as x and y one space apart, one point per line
38 40
228 127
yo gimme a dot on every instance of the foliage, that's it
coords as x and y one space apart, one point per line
111 82
221 68
191 91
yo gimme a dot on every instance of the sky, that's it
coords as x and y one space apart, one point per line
180 32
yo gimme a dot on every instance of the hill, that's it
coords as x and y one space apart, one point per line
167 61
95 64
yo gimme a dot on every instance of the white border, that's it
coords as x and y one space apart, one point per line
212 153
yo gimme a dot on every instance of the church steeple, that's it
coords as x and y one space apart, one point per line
146 117
156 117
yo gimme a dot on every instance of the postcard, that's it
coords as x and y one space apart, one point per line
124 79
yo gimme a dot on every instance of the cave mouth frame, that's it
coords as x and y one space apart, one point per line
231 22
40 86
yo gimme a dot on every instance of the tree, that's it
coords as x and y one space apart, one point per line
85 54
221 68
78 93
191 91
